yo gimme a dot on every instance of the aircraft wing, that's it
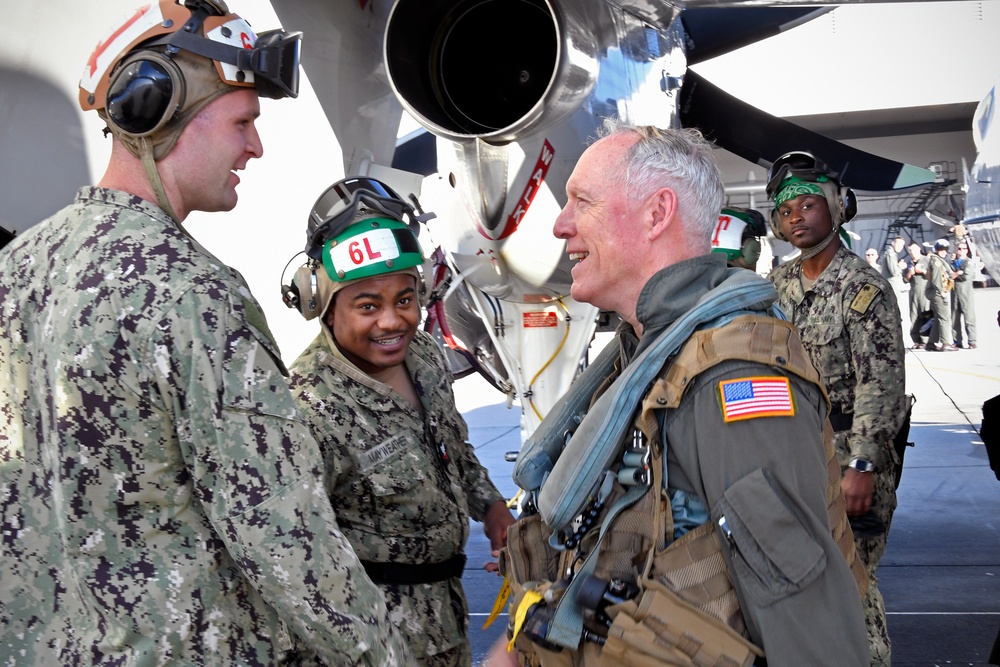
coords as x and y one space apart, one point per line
512 90
761 138
342 57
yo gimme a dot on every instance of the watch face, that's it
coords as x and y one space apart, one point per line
862 465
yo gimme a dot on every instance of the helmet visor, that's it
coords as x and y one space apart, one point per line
341 204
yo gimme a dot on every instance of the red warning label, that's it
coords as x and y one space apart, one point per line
540 319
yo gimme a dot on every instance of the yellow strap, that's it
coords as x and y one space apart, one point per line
530 598
499 603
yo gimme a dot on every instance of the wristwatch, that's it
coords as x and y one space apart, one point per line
862 465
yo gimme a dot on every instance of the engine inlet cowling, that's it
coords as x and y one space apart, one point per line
484 69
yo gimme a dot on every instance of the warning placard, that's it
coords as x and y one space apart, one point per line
533 320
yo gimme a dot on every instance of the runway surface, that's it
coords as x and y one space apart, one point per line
940 575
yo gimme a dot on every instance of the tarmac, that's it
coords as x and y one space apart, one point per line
940 576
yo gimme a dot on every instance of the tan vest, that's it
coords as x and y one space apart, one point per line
687 612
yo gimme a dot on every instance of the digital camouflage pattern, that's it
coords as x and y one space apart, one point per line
397 498
850 324
160 497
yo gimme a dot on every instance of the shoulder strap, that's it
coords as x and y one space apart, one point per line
774 343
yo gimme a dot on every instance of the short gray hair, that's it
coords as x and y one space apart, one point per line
679 159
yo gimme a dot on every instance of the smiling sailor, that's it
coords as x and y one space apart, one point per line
400 471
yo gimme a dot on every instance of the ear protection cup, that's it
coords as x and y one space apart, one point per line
850 204
300 294
776 224
145 93
750 252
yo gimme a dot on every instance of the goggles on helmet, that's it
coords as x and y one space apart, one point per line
799 164
269 62
342 204
371 247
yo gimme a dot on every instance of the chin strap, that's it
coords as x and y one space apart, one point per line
146 155
816 249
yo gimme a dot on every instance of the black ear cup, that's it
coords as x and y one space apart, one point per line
849 201
144 93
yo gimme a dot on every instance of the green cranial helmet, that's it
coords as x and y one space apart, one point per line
798 173
371 247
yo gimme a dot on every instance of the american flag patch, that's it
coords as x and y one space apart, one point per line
747 398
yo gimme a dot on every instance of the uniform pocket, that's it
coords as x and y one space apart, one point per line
774 555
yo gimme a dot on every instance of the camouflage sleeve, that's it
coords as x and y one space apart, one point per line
876 347
255 471
480 491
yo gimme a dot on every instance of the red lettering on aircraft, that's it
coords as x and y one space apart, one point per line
92 63
530 190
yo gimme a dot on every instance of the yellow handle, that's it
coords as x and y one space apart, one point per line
530 598
499 603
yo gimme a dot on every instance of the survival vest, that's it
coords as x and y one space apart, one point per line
682 608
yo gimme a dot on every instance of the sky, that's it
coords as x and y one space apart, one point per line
886 56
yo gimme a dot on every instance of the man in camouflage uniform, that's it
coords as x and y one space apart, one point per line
940 281
400 471
916 275
847 316
160 496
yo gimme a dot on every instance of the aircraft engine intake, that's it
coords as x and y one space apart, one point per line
487 69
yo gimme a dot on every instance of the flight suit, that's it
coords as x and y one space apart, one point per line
766 474
963 304
919 304
939 287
